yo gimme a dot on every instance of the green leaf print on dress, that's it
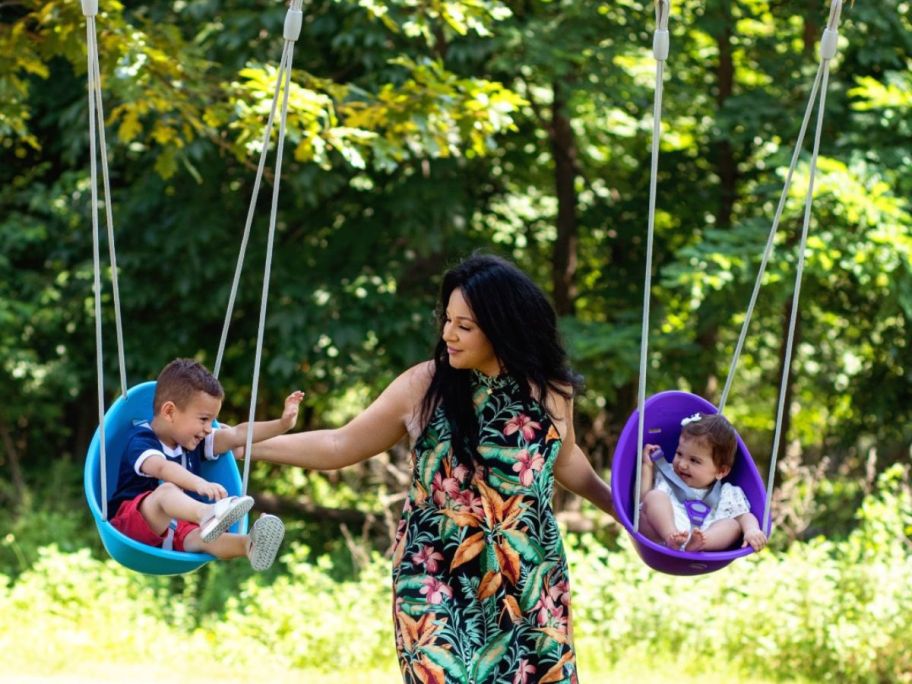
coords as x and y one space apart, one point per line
480 576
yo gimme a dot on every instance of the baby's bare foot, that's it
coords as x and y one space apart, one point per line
697 541
674 541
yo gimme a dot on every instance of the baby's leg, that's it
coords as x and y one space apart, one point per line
227 545
658 516
721 534
169 501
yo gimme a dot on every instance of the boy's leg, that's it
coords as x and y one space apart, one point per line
721 534
169 501
227 545
260 546
658 515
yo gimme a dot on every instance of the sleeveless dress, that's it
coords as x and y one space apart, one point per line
480 576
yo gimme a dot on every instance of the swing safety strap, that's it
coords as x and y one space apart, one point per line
687 495
828 45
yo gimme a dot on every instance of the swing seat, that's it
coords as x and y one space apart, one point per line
662 426
149 560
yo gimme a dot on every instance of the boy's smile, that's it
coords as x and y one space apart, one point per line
189 426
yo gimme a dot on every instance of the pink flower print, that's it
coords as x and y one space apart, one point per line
442 488
429 558
435 590
470 503
526 465
522 673
560 592
549 613
460 472
522 423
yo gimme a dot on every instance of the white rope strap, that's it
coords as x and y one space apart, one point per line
291 32
251 209
97 135
827 52
660 46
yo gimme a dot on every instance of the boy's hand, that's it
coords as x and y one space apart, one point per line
290 414
211 490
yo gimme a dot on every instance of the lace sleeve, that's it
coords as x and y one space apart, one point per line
732 502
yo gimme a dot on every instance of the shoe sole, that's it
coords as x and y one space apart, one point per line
231 516
265 538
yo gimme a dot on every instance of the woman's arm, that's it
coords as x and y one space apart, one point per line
371 432
573 471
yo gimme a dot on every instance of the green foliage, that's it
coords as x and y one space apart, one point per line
820 610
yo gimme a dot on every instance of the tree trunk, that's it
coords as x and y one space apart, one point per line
564 259
727 170
15 465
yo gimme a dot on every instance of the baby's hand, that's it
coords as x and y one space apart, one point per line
755 538
211 490
648 452
290 414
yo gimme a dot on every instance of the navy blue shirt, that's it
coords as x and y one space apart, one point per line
143 443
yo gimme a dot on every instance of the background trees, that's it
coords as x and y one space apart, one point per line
419 132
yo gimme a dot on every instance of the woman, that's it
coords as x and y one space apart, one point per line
480 575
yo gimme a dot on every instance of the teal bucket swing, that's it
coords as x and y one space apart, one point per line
108 444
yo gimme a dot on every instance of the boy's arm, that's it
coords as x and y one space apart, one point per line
228 438
168 471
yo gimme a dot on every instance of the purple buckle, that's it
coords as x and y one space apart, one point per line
697 511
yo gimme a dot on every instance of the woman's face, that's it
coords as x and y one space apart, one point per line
467 346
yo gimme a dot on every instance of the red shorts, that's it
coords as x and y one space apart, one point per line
131 522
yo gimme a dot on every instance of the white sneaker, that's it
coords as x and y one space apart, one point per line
265 539
225 512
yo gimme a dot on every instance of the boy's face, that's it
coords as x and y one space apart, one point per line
693 462
190 425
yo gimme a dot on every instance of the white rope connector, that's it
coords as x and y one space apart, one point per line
90 7
660 45
293 21
828 43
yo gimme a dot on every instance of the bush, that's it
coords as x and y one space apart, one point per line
824 611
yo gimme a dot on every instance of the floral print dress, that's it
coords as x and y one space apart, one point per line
479 571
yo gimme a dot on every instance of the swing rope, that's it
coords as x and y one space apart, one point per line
660 46
97 140
828 47
291 32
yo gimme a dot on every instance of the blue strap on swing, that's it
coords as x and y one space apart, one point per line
697 505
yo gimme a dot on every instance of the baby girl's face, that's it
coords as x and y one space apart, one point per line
694 464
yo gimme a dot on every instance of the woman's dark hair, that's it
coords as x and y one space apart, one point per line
520 324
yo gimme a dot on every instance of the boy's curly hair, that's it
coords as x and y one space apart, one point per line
180 380
715 429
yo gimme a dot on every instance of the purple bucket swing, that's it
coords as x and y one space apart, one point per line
657 420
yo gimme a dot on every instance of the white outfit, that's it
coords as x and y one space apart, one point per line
732 503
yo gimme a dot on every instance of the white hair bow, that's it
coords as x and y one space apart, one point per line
691 419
